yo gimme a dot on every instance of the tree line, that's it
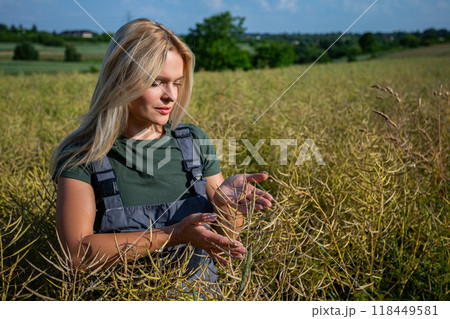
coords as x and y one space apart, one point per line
220 42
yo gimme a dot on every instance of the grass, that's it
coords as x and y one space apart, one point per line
438 50
370 225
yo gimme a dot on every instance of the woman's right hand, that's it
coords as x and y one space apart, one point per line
191 231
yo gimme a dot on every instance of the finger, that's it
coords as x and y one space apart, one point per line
263 201
218 258
238 250
246 206
249 207
232 254
259 201
258 194
209 218
259 206
230 251
262 193
201 218
236 255
257 177
223 241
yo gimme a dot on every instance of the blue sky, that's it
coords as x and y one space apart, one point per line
275 16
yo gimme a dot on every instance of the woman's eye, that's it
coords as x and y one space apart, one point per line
159 83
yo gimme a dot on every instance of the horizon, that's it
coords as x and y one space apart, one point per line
261 16
246 32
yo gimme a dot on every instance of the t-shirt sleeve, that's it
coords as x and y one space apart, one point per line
81 172
208 154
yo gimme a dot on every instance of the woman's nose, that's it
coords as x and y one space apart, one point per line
170 92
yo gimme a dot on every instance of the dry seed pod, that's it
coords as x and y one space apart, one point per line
376 86
381 114
386 118
392 139
390 90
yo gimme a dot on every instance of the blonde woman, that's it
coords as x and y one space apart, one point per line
114 195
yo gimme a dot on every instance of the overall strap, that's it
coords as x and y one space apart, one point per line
105 186
191 159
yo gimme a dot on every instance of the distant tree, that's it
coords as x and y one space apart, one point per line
34 28
49 39
443 34
324 57
25 51
306 53
339 49
368 42
71 54
352 52
326 43
214 43
429 36
410 41
273 54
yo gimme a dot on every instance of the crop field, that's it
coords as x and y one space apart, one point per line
370 224
51 59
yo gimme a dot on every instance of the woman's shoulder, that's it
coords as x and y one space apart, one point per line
197 133
67 166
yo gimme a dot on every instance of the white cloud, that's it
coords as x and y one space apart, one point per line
265 5
290 5
214 5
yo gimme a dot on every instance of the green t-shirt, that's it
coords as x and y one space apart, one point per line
151 171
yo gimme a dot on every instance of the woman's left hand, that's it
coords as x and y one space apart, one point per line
238 192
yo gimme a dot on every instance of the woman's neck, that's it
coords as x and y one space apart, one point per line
146 133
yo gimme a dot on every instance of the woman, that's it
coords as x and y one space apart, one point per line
127 182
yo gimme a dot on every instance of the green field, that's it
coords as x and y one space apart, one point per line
51 59
439 50
372 224
27 67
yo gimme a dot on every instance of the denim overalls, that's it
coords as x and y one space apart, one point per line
113 217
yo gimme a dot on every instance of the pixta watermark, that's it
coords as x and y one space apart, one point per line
151 155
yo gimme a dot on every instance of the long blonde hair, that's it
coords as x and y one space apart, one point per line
134 58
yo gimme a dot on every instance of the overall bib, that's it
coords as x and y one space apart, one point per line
112 216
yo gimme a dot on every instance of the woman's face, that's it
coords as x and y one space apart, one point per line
152 109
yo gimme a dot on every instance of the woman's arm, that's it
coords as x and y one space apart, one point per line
75 215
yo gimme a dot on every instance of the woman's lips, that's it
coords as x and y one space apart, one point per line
163 110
